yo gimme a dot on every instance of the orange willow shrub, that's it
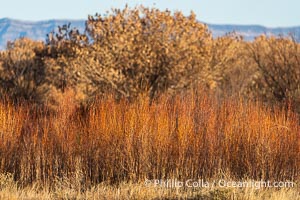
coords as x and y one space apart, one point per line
189 136
277 61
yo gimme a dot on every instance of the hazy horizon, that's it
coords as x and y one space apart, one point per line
266 13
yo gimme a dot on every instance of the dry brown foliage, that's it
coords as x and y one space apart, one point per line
227 68
138 51
21 71
147 52
277 61
131 52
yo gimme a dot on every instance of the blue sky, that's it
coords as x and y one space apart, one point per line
271 13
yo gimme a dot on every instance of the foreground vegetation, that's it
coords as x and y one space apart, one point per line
191 136
68 189
145 95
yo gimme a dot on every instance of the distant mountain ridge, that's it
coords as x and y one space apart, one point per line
249 32
11 29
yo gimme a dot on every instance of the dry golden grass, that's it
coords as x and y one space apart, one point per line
68 189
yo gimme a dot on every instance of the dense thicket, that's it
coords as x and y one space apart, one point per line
142 51
191 136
